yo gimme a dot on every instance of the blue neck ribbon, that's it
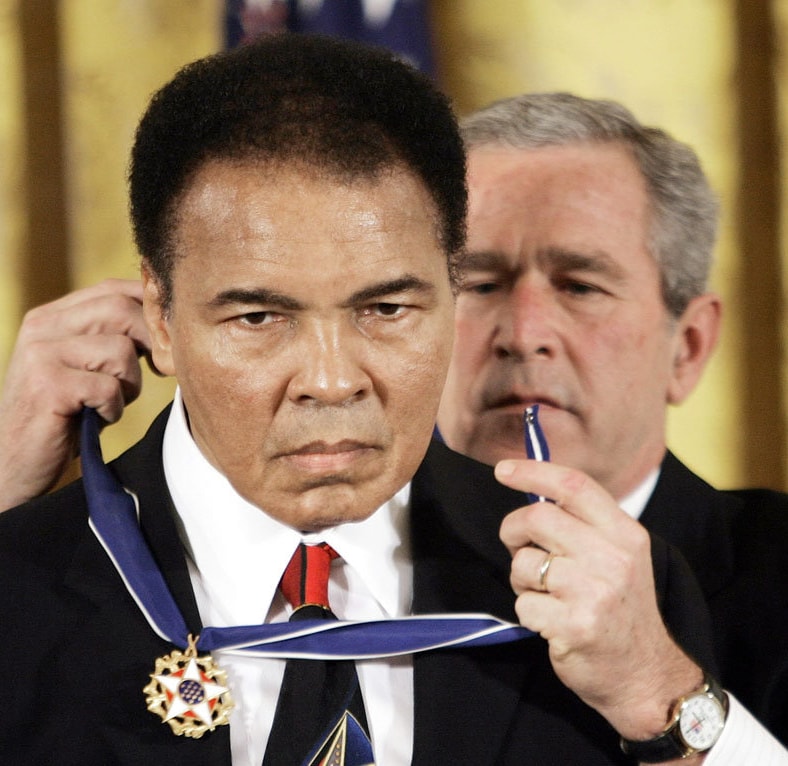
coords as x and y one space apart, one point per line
114 520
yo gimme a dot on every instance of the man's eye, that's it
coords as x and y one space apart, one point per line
580 288
483 288
479 284
256 318
388 309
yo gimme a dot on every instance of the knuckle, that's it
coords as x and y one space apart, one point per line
110 284
516 526
35 322
574 482
543 515
117 304
123 347
518 567
105 389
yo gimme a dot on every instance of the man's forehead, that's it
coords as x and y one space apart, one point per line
498 172
218 186
252 214
576 197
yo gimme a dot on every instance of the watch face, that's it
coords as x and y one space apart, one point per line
701 721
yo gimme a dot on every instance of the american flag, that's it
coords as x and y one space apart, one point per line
400 25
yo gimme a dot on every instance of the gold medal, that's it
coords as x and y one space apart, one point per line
189 692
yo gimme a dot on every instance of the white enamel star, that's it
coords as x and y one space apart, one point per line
176 684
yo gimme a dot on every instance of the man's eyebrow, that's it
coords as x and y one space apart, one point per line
256 297
558 259
483 260
406 283
596 262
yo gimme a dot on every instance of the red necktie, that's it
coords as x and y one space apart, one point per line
320 716
305 581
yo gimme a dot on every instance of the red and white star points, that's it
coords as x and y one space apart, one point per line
189 693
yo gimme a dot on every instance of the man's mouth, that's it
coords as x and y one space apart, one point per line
322 456
516 403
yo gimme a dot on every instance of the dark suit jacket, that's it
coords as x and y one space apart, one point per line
736 543
76 652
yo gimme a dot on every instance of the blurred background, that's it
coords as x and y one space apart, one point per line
75 77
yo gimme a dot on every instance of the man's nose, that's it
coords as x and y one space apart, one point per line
525 325
329 366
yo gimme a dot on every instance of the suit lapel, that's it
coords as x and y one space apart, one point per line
141 471
127 644
690 514
463 699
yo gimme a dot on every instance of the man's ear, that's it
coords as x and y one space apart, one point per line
695 339
156 318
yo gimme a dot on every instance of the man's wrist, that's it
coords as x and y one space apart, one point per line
695 723
645 702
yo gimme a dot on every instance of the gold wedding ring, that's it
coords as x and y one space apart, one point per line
543 570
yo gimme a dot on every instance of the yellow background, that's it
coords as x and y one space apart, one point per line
76 76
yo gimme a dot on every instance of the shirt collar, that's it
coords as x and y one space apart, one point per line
240 552
635 502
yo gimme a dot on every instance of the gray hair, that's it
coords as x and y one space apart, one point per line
684 208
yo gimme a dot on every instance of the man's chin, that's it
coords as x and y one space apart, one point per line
317 505
316 519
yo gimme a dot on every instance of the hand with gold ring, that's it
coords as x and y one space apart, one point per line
598 611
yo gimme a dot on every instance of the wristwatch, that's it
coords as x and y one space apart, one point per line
696 722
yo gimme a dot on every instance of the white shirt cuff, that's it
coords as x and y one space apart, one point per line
745 740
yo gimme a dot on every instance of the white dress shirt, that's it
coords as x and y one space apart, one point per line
236 556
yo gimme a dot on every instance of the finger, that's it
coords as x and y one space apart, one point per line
572 490
591 601
104 393
573 630
52 395
598 559
78 388
544 525
516 532
114 358
537 570
108 314
131 288
541 613
109 373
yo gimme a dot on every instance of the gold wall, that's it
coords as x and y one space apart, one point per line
77 74
11 178
82 73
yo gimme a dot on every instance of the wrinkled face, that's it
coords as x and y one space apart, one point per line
310 331
560 306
